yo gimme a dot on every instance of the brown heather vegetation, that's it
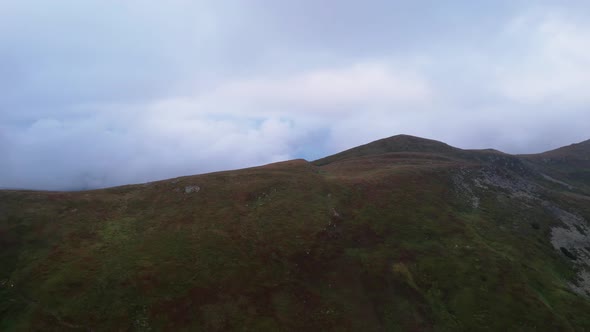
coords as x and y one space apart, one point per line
402 234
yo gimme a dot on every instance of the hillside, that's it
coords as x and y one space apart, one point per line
397 144
400 234
570 163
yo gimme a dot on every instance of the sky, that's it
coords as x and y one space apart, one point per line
99 93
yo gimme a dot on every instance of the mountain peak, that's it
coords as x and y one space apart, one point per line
410 140
397 143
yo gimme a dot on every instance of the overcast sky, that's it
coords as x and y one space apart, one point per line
98 93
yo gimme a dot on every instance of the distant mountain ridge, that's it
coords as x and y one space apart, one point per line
578 151
409 143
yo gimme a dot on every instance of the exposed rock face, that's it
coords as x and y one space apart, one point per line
570 236
464 187
191 189
469 182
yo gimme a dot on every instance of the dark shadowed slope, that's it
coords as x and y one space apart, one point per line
400 234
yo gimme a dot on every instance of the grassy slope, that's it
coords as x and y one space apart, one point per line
570 163
369 241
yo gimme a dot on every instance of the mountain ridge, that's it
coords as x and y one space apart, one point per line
397 143
404 143
402 234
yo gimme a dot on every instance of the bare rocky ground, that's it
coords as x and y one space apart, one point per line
572 238
570 235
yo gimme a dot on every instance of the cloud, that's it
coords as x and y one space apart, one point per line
334 89
92 153
103 93
554 66
317 101
237 124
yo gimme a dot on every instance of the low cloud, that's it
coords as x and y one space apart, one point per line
92 153
170 97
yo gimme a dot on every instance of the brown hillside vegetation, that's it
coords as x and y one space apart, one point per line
400 234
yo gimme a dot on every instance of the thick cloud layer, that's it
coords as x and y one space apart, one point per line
102 93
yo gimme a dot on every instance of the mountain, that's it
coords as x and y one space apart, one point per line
394 144
578 151
402 234
570 164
